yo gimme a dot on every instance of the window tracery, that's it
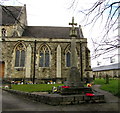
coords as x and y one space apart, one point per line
20 56
44 60
3 32
68 57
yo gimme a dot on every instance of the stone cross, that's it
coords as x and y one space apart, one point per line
73 79
73 31
73 45
72 23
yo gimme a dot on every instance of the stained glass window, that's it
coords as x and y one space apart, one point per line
22 60
41 59
44 57
17 58
68 59
20 56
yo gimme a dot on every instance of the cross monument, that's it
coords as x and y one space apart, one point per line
74 78
73 35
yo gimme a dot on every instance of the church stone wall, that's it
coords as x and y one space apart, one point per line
8 53
84 45
18 27
14 36
9 30
12 30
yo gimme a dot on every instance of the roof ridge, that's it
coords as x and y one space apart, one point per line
10 6
50 26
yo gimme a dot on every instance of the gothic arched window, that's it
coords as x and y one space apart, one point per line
87 53
44 56
68 59
20 56
3 32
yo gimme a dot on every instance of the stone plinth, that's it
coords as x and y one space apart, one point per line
74 79
57 99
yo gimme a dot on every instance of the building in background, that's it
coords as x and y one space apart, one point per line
112 70
40 52
109 64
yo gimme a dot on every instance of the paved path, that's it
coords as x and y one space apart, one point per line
109 98
12 102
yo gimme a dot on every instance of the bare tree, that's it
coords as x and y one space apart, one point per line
107 11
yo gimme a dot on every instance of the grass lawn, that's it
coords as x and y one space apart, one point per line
35 87
112 87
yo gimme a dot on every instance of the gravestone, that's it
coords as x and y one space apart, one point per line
93 77
100 76
107 79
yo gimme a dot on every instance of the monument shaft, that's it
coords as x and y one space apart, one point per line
73 53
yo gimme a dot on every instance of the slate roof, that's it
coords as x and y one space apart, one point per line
10 14
108 67
49 32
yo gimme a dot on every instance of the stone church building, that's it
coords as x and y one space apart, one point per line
42 52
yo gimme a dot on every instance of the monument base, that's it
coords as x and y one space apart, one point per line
57 99
75 90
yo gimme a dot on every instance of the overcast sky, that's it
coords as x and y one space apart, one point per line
50 12
57 13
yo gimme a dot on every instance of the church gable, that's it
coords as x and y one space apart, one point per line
10 14
13 20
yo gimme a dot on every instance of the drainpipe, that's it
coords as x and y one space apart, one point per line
81 61
34 62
